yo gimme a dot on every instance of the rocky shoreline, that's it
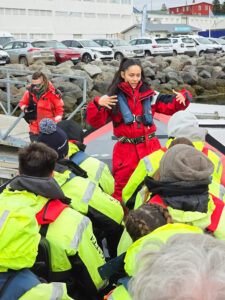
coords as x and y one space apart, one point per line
203 76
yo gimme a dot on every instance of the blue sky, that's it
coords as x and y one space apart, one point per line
157 4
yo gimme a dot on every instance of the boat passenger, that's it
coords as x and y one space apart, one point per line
130 103
41 101
96 170
148 222
188 266
19 239
185 174
181 124
86 196
75 254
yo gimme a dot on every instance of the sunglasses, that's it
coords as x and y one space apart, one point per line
37 85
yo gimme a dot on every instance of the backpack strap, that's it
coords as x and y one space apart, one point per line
16 283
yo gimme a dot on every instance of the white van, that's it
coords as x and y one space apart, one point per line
5 37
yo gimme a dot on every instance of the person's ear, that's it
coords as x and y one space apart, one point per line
122 74
52 174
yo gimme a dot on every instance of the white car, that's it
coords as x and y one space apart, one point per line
183 45
121 48
216 44
90 50
203 45
221 42
153 46
4 57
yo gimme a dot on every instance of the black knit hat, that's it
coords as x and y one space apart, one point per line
53 136
72 129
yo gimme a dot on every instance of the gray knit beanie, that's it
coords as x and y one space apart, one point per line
184 162
185 124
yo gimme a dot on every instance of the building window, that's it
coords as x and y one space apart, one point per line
183 8
37 12
102 15
206 7
20 35
41 36
187 8
76 14
61 13
77 36
114 16
89 15
199 7
177 9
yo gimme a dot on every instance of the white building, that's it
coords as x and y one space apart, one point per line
65 19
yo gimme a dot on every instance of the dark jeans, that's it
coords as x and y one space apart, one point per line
33 137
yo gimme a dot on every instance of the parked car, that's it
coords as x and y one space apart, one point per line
24 52
183 45
221 42
121 48
153 46
4 57
62 52
90 50
5 37
216 44
203 45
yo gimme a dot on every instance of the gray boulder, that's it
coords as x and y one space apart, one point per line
204 74
92 70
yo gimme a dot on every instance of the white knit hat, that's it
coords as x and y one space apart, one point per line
185 124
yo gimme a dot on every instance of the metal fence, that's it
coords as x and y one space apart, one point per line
8 81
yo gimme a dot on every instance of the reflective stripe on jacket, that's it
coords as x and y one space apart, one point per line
86 194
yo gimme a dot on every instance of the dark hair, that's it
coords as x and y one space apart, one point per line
37 75
181 140
145 219
37 160
124 65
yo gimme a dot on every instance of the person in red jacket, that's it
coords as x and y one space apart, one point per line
130 103
41 101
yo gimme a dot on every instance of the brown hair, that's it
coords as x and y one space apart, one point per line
38 75
145 219
37 160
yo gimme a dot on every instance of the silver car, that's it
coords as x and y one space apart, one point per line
24 52
4 57
121 48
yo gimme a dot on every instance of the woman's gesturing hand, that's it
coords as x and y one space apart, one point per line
179 97
108 101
